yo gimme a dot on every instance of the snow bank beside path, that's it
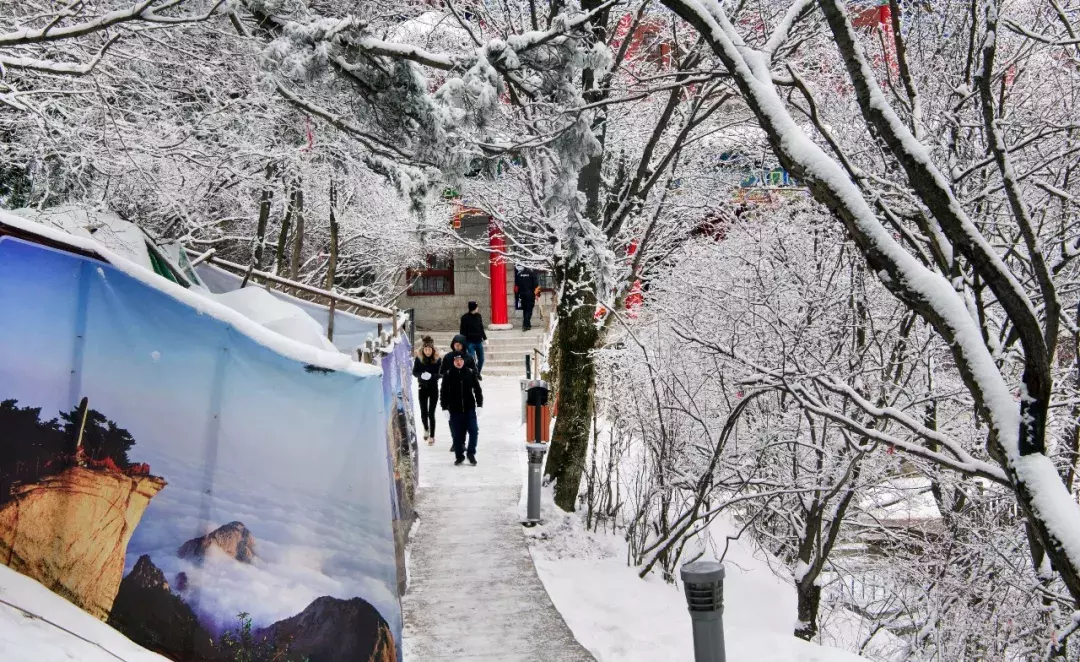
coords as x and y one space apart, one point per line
620 617
44 627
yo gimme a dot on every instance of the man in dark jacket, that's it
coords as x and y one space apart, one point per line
472 327
528 287
460 396
457 345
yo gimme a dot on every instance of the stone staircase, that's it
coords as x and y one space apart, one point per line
505 351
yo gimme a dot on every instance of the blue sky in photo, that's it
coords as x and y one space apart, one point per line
300 457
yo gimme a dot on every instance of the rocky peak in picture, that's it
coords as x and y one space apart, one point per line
147 575
233 538
70 531
335 630
149 614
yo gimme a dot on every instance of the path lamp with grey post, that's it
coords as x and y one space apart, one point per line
703 583
537 426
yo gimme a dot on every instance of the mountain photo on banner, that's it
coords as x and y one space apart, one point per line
206 496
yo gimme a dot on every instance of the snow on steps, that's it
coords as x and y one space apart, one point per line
37 625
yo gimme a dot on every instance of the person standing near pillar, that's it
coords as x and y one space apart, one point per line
518 269
528 289
472 327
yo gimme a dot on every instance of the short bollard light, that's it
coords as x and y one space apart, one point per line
537 426
703 583
536 464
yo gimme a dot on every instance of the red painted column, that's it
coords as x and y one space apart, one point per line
885 13
497 271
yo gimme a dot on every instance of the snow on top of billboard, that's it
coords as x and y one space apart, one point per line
285 336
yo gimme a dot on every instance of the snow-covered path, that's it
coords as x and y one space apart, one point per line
473 591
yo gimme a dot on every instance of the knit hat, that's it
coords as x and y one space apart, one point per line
427 341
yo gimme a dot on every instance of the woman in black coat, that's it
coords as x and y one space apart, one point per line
426 368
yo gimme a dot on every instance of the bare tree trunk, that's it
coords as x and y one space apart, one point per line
577 337
331 267
283 236
264 216
576 333
809 594
298 234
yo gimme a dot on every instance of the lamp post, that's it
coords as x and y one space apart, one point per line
703 583
537 424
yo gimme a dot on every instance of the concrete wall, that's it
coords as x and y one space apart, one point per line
471 283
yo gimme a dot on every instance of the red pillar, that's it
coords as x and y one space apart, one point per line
886 29
497 271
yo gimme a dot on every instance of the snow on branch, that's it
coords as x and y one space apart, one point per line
51 67
370 141
408 52
147 10
1017 436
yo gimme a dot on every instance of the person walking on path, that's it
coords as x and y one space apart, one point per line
472 327
458 344
427 368
528 289
460 396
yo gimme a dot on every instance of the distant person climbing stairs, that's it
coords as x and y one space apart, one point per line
472 327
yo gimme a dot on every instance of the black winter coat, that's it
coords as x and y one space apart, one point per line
528 282
447 363
422 364
460 390
472 327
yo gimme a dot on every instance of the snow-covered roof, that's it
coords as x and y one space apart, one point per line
350 331
289 320
108 230
433 30
269 324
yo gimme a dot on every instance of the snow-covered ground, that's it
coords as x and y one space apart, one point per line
620 617
37 625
